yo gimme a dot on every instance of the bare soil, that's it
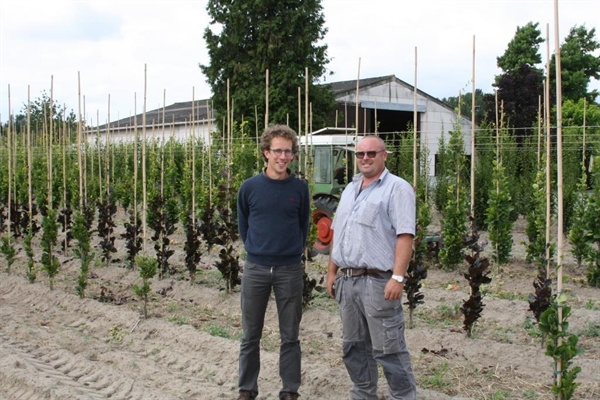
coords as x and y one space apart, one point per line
55 345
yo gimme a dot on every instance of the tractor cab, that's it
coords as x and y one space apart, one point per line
331 168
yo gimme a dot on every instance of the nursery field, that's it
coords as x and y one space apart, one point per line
55 345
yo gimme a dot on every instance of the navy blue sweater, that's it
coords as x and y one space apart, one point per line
273 219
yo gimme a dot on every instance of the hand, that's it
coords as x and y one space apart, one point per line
393 290
329 285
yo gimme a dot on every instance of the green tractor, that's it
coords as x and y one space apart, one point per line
332 154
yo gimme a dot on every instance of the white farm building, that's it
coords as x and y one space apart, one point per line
385 105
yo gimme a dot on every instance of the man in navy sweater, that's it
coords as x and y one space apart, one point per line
273 218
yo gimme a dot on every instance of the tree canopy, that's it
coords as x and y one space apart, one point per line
578 65
522 49
247 38
39 110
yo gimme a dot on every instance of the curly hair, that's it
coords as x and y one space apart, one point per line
273 131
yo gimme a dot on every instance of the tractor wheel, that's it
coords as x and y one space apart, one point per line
322 217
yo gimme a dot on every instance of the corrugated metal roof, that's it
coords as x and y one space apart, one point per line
181 113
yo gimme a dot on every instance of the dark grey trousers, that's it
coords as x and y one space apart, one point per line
287 284
373 330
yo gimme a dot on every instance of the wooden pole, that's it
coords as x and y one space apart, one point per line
193 136
539 136
50 140
356 107
583 136
135 158
29 162
210 158
144 188
559 177
98 145
416 131
300 130
79 137
256 136
267 98
548 155
307 131
64 172
107 153
473 119
9 162
162 150
85 155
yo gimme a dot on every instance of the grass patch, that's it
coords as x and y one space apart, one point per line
178 319
591 330
436 377
530 326
442 315
219 331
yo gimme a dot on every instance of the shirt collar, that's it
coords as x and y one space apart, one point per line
358 177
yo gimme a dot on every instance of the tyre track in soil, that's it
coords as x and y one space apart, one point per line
40 359
55 345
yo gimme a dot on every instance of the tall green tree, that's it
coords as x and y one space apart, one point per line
40 109
247 38
522 49
578 65
519 92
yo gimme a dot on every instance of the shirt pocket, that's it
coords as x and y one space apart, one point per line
368 215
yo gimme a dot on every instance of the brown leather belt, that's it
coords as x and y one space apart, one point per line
356 272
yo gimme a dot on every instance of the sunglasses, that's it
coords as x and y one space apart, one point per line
370 154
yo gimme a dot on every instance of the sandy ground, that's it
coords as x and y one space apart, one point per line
55 345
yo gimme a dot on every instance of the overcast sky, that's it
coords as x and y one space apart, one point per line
110 43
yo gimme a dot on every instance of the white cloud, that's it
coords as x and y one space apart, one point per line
110 42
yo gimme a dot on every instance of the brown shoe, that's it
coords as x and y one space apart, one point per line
244 395
288 396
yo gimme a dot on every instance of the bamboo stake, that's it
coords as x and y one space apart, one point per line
85 157
258 155
9 162
346 117
415 121
135 159
144 188
306 130
583 135
473 119
50 140
193 135
107 153
548 149
228 151
356 108
299 110
29 162
559 177
376 127
497 126
79 122
267 99
98 153
300 130
539 136
162 150
64 174
210 158
364 120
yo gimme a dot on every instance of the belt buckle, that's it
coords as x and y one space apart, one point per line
348 272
